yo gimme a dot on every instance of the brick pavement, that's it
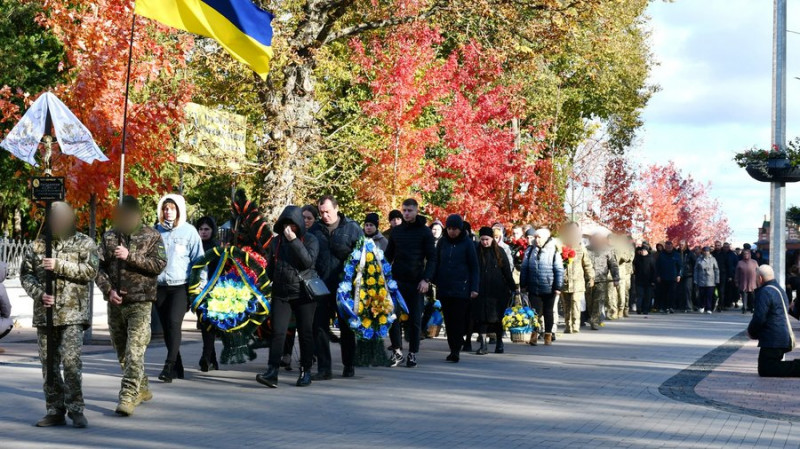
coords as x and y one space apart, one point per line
593 390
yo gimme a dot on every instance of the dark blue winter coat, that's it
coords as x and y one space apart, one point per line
457 270
542 270
770 322
669 265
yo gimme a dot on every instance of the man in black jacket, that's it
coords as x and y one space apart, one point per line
686 287
644 272
412 253
770 326
339 236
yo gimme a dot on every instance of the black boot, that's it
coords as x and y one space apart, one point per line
482 350
168 373
499 347
305 378
349 371
269 378
467 346
179 367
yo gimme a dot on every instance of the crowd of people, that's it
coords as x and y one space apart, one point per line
474 276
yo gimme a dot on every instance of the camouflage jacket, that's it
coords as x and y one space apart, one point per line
605 265
76 266
580 272
625 255
139 273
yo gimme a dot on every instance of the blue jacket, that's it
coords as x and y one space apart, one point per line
542 270
770 322
457 270
669 265
182 244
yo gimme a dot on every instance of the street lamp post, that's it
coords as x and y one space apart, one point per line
778 189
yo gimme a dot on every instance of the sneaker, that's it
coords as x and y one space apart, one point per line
397 358
708 312
702 310
411 360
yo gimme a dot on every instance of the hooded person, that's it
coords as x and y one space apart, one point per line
457 280
372 231
183 246
131 258
292 257
73 265
6 322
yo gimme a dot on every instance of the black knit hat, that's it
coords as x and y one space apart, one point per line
455 221
395 214
486 232
372 218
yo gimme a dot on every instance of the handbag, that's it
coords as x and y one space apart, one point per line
315 287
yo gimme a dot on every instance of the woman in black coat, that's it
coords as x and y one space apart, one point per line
496 285
456 281
291 258
207 228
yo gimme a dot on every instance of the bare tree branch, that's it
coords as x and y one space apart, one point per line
377 24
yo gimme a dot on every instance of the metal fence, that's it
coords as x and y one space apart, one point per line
11 252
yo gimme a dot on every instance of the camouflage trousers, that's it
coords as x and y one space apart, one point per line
619 297
66 394
596 299
572 311
129 326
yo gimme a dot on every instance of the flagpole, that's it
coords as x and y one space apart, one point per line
125 111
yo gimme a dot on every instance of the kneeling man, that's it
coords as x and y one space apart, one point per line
770 326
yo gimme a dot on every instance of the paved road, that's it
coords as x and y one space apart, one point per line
594 390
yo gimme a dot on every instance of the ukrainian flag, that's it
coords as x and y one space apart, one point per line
241 27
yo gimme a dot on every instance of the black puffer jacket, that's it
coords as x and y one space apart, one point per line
644 269
337 246
290 262
412 252
496 281
457 270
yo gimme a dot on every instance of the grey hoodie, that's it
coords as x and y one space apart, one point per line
5 304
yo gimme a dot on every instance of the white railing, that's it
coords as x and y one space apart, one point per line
12 252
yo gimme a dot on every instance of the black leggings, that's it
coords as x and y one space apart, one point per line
172 303
543 304
281 314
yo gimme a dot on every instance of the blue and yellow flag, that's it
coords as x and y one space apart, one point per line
241 27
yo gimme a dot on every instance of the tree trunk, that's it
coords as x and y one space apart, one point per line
294 139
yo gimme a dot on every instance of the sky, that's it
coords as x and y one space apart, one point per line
715 73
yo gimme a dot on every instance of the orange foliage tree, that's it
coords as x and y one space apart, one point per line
96 37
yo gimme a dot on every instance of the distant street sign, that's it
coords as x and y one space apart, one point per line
47 188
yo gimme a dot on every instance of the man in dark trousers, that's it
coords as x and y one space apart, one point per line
412 253
770 326
337 239
668 276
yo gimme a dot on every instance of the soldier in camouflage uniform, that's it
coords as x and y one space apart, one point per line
74 264
131 258
619 295
578 276
606 272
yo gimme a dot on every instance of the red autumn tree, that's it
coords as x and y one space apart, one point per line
616 203
406 80
676 207
96 37
445 129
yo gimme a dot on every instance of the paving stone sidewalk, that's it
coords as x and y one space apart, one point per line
593 390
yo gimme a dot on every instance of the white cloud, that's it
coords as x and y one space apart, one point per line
715 73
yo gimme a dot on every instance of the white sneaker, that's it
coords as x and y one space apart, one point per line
708 312
702 310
